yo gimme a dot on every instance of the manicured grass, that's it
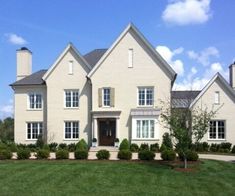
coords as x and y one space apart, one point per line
113 178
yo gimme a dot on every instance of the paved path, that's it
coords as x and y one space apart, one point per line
217 157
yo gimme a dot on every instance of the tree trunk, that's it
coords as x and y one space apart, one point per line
185 163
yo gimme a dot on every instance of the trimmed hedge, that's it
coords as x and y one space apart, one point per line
144 146
190 155
82 145
72 147
23 153
233 149
154 147
62 154
146 155
134 147
168 155
125 154
5 154
124 145
102 154
81 154
53 146
43 154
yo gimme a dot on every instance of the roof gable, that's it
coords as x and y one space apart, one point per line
222 81
137 33
70 46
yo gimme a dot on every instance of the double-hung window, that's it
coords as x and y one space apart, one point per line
217 130
145 129
71 98
145 96
106 96
35 101
71 130
34 129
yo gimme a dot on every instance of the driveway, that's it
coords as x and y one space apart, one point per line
228 158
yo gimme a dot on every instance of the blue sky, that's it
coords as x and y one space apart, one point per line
196 37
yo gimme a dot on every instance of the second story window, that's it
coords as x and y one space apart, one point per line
71 98
145 96
35 101
106 96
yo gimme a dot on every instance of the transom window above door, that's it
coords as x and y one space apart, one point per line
145 96
71 98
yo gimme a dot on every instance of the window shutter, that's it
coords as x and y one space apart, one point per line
112 97
100 97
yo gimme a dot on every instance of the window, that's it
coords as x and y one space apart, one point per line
35 101
33 130
217 97
70 67
217 130
71 130
145 129
145 96
71 98
106 96
130 58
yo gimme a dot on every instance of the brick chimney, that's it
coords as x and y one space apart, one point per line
24 63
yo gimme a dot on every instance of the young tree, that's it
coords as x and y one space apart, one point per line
7 129
186 125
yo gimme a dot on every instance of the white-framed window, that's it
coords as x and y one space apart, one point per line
145 96
71 98
70 67
35 101
217 97
106 97
33 130
217 130
71 129
144 128
130 58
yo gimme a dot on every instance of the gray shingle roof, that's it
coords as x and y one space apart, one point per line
33 79
94 56
183 99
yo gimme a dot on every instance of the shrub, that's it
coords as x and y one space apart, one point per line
81 154
43 154
5 154
225 146
154 147
168 155
32 147
134 147
21 146
124 145
23 153
144 146
146 155
214 147
62 154
40 142
12 146
103 154
233 149
63 146
163 148
82 145
72 147
46 147
53 146
206 146
125 154
166 140
190 155
3 146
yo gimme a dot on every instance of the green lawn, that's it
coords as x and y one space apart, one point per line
113 178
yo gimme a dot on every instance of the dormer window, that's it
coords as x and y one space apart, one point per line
130 58
70 67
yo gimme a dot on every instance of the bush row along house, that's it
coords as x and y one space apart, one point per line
111 93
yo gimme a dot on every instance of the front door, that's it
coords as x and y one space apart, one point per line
107 132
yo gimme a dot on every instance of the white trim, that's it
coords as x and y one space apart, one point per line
130 57
28 101
71 67
145 100
216 132
71 95
223 82
149 46
106 106
31 134
71 139
70 45
217 97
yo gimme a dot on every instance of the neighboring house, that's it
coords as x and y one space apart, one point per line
107 94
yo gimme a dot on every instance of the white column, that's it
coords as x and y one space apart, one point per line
94 125
117 127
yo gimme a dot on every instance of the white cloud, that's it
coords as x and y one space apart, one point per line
184 12
6 110
205 55
168 55
15 39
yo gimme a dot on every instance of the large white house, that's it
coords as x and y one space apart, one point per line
110 93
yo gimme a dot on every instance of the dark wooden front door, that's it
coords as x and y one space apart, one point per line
107 132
